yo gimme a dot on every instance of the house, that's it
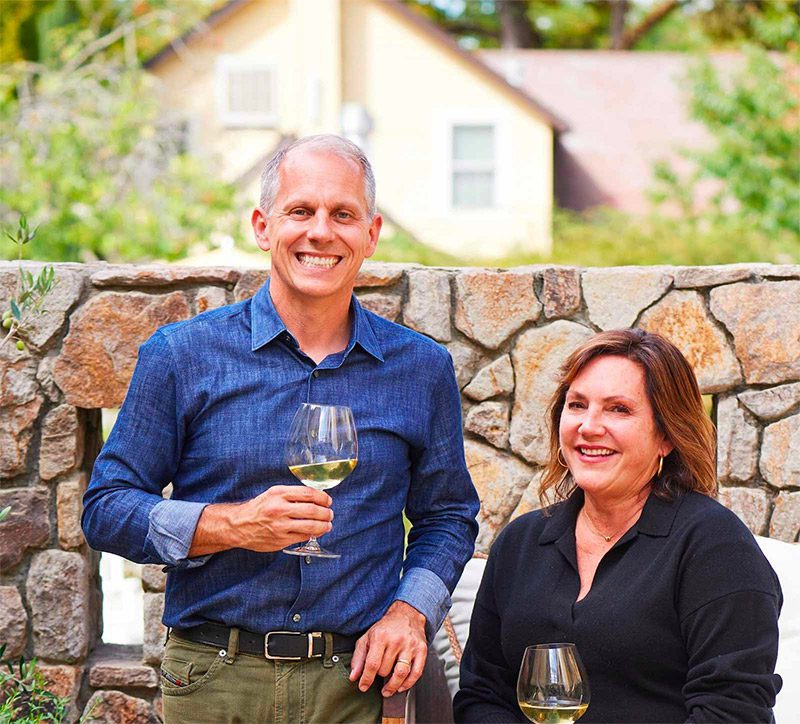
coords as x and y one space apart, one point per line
625 111
463 158
470 149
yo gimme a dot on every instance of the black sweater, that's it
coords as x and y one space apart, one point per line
681 622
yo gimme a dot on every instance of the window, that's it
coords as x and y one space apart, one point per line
473 166
246 93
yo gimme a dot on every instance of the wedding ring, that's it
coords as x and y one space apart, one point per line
404 661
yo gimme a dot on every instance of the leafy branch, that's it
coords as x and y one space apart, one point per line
28 303
24 697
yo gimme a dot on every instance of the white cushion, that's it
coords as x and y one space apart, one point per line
785 560
463 600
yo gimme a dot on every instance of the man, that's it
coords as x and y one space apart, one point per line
209 408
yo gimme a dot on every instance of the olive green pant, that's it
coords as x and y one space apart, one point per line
203 684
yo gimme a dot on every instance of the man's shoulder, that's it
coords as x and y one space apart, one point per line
189 330
395 338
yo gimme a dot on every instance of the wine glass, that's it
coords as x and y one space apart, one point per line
322 450
552 687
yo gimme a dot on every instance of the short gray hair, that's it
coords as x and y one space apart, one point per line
270 177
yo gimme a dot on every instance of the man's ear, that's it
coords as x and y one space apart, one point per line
259 222
374 232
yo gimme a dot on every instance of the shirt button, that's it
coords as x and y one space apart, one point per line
315 373
308 559
296 618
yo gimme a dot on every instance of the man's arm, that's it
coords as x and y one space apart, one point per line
124 512
442 505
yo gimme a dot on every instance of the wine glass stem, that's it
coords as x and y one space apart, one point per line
313 543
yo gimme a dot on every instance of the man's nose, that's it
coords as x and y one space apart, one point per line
321 228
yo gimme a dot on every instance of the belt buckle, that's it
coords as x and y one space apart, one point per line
310 636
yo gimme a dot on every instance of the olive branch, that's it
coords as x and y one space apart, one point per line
28 302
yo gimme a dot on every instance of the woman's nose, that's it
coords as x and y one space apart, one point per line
592 423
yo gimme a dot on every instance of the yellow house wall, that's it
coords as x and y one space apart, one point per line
306 55
415 89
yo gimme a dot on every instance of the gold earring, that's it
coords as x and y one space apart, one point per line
560 459
660 466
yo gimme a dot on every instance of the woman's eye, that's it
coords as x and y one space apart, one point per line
620 408
575 405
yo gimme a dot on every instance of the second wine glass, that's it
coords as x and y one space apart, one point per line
322 450
552 687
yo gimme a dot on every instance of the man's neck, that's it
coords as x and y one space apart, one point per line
320 326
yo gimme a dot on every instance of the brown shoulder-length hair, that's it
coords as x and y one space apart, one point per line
677 406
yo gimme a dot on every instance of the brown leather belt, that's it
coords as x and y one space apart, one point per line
279 645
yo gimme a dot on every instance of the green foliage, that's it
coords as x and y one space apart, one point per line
24 697
400 247
28 302
754 119
4 513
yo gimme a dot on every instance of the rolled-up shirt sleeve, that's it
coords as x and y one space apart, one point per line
171 531
426 592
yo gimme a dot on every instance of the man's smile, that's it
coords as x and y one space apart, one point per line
317 262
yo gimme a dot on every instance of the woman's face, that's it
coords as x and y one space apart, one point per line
608 434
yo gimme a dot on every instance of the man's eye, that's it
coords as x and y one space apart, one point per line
344 215
299 212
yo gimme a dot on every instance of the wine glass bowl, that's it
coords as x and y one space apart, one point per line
321 451
552 687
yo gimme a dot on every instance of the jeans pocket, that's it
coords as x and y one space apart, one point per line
188 667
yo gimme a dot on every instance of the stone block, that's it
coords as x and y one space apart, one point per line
46 380
538 356
27 526
465 361
764 320
13 622
114 707
69 508
750 504
561 291
162 275
58 596
153 577
491 306
64 681
780 453
20 403
683 319
428 307
123 674
490 421
530 498
62 442
494 380
379 274
384 305
210 298
693 277
500 480
785 521
155 632
737 442
249 283
99 353
65 293
772 403
615 297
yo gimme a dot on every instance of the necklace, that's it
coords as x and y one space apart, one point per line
596 531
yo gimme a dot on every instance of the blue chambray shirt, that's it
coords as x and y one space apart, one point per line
209 408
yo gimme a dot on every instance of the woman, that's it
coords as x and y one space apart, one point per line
666 594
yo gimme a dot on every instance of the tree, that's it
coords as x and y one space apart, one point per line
617 24
754 119
86 152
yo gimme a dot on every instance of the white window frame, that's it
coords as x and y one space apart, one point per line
446 122
244 119
462 166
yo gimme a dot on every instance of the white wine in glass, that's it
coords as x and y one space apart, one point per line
322 450
552 687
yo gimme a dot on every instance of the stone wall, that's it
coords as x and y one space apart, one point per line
507 332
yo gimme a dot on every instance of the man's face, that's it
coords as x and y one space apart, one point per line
318 230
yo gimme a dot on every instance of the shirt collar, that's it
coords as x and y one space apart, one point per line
656 518
266 324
